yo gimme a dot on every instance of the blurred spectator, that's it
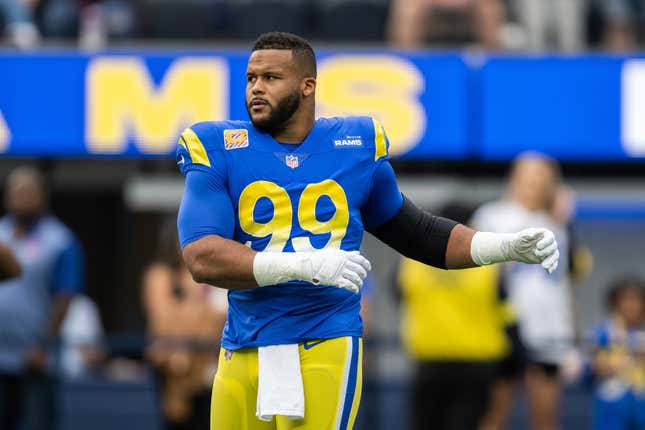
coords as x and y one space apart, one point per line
20 27
185 322
453 328
33 307
624 20
9 266
619 359
81 337
580 259
550 24
93 21
412 23
105 19
542 301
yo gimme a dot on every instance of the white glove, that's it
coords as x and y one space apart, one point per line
533 246
332 267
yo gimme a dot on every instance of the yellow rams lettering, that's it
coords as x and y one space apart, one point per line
124 104
390 92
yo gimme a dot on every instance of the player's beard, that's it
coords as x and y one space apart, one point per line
278 116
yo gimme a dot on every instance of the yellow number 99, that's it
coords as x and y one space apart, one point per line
336 225
280 225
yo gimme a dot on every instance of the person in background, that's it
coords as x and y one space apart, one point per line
623 19
21 29
82 338
33 306
185 323
542 301
9 265
618 363
551 24
413 23
453 328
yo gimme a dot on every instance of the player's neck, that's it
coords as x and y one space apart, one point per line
297 130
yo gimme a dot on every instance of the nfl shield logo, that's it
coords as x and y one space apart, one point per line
292 161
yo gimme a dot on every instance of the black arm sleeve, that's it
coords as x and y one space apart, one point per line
417 234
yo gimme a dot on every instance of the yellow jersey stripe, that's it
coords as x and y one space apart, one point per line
195 148
344 380
380 144
182 142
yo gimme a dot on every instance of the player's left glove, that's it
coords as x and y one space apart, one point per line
533 246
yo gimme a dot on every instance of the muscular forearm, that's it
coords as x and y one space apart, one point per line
9 266
222 262
443 243
227 264
458 254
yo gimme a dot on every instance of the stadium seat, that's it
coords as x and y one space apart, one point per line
352 20
253 17
186 19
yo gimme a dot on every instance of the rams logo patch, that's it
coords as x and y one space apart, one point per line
234 139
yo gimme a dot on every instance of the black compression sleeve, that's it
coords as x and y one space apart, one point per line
417 234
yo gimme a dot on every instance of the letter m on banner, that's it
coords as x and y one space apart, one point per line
123 103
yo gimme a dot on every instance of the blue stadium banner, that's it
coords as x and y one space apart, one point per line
589 108
133 104
433 105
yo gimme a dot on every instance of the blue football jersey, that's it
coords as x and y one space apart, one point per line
285 198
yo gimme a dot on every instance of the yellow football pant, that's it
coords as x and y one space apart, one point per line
332 378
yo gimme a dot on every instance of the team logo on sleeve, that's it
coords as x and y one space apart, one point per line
236 138
349 142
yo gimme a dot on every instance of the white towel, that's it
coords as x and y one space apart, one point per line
280 389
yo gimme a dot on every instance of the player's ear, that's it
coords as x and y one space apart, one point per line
308 86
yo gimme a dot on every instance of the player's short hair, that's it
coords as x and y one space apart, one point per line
301 49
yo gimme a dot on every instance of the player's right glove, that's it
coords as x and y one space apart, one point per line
333 267
533 246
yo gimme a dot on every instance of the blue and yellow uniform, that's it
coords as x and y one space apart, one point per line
244 185
619 402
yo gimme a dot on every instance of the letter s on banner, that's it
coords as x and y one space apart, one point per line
384 86
633 108
123 103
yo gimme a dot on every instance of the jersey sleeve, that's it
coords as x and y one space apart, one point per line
206 207
198 149
381 142
384 199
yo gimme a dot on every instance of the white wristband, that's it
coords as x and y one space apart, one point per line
490 248
272 268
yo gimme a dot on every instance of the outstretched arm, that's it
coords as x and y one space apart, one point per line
441 242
